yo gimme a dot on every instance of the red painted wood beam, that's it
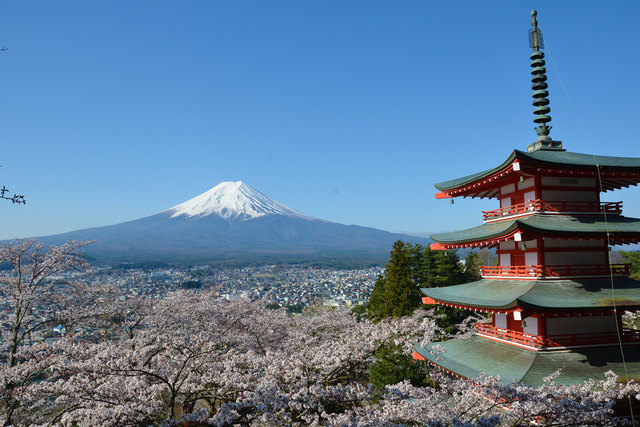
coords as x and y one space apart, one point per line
417 356
429 301
442 195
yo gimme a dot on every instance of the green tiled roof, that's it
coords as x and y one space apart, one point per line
458 182
565 294
481 232
561 158
566 158
485 293
476 355
549 224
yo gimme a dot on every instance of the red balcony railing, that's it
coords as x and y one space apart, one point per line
568 340
550 271
510 335
613 208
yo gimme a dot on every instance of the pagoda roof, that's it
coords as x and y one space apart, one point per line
559 161
565 294
586 226
474 356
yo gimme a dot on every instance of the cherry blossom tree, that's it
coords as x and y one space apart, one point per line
195 351
194 358
27 288
203 360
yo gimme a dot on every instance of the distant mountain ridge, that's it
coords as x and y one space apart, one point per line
234 222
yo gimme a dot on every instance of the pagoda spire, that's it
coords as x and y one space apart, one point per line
540 92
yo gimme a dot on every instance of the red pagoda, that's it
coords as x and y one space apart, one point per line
555 300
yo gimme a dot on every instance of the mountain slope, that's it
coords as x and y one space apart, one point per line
232 221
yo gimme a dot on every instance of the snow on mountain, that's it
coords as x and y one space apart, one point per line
233 200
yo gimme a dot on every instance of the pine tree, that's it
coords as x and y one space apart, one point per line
449 270
392 366
411 267
376 304
396 293
472 266
425 262
634 259
401 295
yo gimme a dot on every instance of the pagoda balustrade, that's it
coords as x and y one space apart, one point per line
557 341
554 271
611 208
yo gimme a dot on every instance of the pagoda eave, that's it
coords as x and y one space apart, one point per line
612 172
472 357
618 229
480 309
589 294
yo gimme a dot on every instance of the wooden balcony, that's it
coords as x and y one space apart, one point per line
553 271
557 342
533 206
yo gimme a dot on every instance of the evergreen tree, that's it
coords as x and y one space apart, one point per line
425 261
376 304
486 257
401 295
449 270
392 365
472 266
634 260
396 293
411 267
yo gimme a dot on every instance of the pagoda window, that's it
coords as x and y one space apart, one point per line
572 243
558 181
575 258
506 189
580 325
531 258
507 245
500 320
505 260
530 325
570 195
529 244
506 202
527 183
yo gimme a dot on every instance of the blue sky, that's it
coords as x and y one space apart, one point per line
345 110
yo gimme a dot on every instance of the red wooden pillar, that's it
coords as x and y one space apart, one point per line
542 325
540 250
537 185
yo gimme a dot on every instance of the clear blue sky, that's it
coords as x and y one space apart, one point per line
345 110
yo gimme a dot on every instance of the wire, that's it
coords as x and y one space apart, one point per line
606 223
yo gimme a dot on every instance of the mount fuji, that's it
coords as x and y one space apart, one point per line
232 201
233 223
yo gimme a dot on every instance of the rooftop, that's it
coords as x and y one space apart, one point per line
474 356
567 294
621 229
559 161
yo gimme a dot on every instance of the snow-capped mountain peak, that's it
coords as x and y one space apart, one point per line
233 200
